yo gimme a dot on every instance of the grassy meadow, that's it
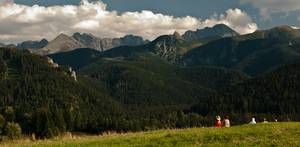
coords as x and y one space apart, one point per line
269 134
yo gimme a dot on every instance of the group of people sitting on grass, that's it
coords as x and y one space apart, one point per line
218 122
226 122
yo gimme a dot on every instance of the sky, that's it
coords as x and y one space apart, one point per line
36 19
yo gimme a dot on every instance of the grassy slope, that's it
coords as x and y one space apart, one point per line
271 134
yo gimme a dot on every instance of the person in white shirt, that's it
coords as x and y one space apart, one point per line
252 122
227 122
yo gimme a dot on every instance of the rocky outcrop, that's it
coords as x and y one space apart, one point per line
61 43
168 46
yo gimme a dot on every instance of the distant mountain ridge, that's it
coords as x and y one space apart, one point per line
85 40
32 44
102 44
64 43
219 30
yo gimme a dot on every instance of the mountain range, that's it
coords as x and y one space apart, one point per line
102 44
253 53
63 43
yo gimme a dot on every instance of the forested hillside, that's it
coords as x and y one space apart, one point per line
46 100
275 94
136 93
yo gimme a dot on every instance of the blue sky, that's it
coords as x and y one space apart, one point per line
36 19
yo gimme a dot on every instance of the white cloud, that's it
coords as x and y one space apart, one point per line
21 22
234 18
295 27
269 7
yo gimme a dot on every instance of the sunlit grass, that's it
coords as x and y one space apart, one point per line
270 134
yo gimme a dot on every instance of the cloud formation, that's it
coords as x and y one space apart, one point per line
269 7
234 18
21 22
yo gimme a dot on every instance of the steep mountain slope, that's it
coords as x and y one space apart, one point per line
253 53
219 30
168 47
32 44
61 43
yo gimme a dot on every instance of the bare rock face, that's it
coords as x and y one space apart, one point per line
168 46
88 40
61 43
108 43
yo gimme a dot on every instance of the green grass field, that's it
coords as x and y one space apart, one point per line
270 134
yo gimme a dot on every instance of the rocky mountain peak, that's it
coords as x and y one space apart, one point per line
177 35
62 36
219 30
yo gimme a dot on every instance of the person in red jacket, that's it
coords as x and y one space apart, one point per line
218 122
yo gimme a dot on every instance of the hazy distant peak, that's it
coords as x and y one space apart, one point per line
62 36
219 30
283 28
32 44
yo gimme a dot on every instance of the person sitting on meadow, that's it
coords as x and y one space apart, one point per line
218 122
252 122
227 122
